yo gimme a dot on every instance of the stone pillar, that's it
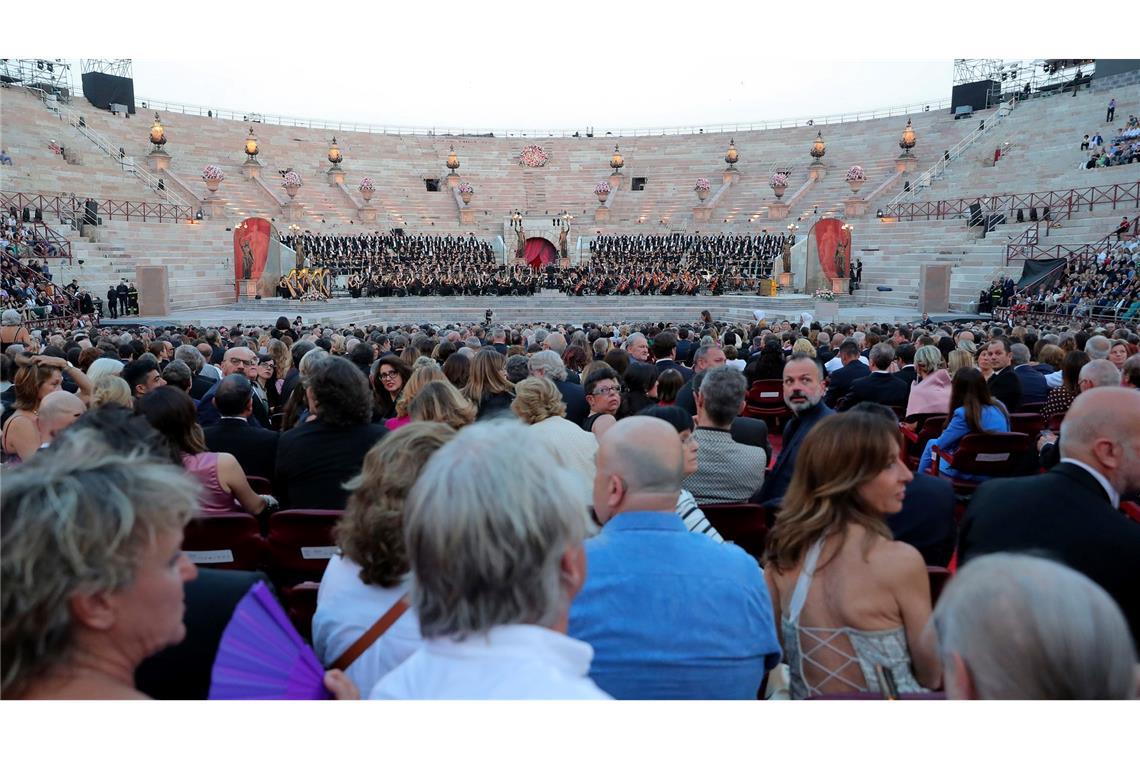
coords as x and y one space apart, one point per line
336 176
467 215
601 214
453 180
778 210
906 164
366 214
817 172
839 285
702 213
158 161
213 207
730 177
785 280
853 207
251 169
616 180
153 283
934 287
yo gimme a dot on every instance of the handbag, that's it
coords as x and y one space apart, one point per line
368 638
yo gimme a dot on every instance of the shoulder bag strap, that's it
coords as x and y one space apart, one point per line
368 638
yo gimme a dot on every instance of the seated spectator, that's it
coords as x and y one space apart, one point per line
440 401
849 598
549 365
539 404
388 382
1003 383
803 395
518 368
880 386
930 394
36 377
1011 626
640 382
851 369
420 377
369 577
487 386
687 509
1098 373
661 577
1034 388
92 569
1072 511
1130 373
973 410
177 375
105 366
254 448
603 397
1118 354
200 382
727 471
496 570
1059 400
457 368
224 486
669 383
316 458
58 411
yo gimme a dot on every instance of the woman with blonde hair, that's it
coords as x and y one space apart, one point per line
369 576
487 385
930 393
538 403
112 390
104 366
803 346
36 377
958 359
849 598
440 401
420 377
282 363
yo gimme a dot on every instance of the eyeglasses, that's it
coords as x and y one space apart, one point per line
389 375
243 362
606 391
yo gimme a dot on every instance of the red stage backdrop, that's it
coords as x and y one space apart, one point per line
251 248
539 253
828 233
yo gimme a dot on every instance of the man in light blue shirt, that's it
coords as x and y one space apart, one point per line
670 614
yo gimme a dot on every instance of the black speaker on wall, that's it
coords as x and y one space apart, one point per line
979 95
101 90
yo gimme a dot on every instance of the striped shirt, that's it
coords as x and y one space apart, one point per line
694 518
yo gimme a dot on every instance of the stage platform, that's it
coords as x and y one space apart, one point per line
548 306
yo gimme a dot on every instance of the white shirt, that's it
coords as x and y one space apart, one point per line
346 608
1054 380
836 363
506 662
1113 496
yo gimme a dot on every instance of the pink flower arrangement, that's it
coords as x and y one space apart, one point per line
291 179
533 156
465 187
778 179
602 188
703 185
366 185
212 173
855 174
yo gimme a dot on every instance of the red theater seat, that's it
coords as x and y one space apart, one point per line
743 524
225 542
300 544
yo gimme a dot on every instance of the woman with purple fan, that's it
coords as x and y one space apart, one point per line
225 488
370 575
495 569
92 568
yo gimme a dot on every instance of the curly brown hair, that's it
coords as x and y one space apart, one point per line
371 533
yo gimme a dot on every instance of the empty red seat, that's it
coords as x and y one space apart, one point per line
230 541
765 401
926 429
743 524
260 485
1029 423
300 544
984 455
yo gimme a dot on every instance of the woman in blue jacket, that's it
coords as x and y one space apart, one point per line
972 410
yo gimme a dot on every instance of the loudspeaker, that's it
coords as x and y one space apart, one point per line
27 214
398 231
975 214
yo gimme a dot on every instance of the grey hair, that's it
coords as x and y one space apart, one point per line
191 356
518 368
550 363
928 358
1101 373
1052 339
1097 347
176 373
557 342
635 337
311 360
484 556
1020 353
11 317
722 392
104 366
881 355
540 335
1030 628
76 519
705 349
473 343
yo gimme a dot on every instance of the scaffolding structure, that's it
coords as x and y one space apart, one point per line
1040 75
51 76
118 67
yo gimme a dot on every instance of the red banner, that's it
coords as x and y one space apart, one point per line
539 253
251 248
829 233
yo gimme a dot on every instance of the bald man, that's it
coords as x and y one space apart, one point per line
670 614
57 411
1071 513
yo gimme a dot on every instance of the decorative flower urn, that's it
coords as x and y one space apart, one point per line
213 184
367 195
855 184
466 197
292 190
779 191
602 190
702 194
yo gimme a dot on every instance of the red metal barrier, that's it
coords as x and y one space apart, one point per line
1061 203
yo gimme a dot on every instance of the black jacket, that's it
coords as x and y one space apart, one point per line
665 364
253 447
926 521
879 387
1006 388
1066 515
839 382
574 396
315 459
778 479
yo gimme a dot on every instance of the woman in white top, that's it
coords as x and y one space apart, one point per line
370 574
849 598
538 403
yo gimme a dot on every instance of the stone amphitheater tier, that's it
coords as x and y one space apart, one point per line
1042 136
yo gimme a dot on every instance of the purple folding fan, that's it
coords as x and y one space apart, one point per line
261 655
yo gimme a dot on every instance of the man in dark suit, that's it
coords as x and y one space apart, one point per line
904 358
1071 513
665 352
839 382
253 447
706 357
549 364
685 347
1004 384
803 394
1034 387
200 384
880 386
123 293
239 361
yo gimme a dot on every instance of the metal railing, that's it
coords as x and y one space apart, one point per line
927 178
1062 204
154 104
64 313
70 209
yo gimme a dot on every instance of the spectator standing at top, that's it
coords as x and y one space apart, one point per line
1111 115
